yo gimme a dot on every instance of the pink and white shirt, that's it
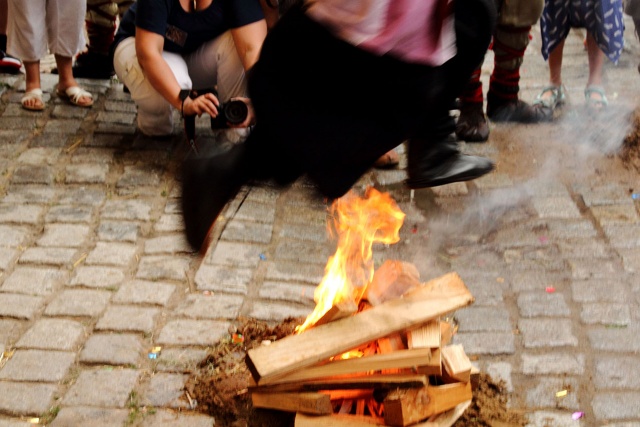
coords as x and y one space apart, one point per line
417 31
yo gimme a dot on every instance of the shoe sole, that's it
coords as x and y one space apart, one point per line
468 176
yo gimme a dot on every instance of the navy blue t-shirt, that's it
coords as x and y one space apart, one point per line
184 31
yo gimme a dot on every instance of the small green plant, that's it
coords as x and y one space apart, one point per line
50 415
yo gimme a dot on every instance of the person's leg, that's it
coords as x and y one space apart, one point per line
553 94
155 117
594 92
8 64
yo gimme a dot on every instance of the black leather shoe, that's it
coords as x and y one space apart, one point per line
438 163
519 112
207 185
472 125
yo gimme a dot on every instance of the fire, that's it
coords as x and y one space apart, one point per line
359 222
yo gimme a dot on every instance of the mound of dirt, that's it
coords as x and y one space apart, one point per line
220 385
630 153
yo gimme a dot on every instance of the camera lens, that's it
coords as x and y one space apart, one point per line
236 112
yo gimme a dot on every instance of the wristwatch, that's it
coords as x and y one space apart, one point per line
183 94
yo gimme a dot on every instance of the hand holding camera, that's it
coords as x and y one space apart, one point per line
236 112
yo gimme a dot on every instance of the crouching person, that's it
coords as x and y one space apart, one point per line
165 51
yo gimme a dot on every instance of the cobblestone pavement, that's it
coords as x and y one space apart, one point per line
94 271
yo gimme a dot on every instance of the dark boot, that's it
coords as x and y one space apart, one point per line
472 124
207 185
517 111
438 163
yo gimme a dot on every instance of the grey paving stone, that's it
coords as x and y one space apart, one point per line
26 398
53 334
606 314
535 304
623 235
40 156
116 117
112 349
600 290
19 306
225 279
547 333
247 232
20 214
78 302
553 364
293 292
170 244
169 223
82 196
136 177
105 388
62 126
294 272
179 359
501 371
70 213
10 330
165 418
69 111
118 231
158 267
14 423
615 339
311 233
128 318
119 106
596 268
555 207
571 229
192 332
489 343
143 292
615 372
487 292
235 254
257 212
165 390
97 277
96 417
615 214
610 194
34 281
12 236
493 181
484 319
612 406
216 306
8 257
48 256
555 419
33 174
111 253
303 252
27 194
37 365
585 248
543 394
129 210
92 173
630 259
49 140
64 235
275 311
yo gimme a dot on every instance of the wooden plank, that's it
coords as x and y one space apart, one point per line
456 362
338 311
348 383
437 298
391 280
434 367
391 344
426 336
308 403
376 362
405 407
303 420
348 394
447 331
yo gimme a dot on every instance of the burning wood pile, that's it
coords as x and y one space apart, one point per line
376 350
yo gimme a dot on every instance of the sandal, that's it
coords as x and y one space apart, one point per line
558 97
74 94
33 95
595 103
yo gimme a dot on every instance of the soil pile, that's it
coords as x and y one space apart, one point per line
221 383
630 153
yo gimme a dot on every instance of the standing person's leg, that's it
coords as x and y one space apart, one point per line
594 92
554 93
8 64
28 41
155 114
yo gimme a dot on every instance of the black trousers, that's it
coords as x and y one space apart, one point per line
328 109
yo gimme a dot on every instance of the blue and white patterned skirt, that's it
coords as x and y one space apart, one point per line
601 18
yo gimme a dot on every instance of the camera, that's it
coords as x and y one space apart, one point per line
231 112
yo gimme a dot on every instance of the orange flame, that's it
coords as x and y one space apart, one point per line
359 223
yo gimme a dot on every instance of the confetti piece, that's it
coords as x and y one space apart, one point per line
263 257
34 420
577 415
153 355
500 280
635 196
561 393
156 349
414 229
207 293
237 338
543 239
549 289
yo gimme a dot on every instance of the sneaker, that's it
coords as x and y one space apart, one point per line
9 64
472 125
458 168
